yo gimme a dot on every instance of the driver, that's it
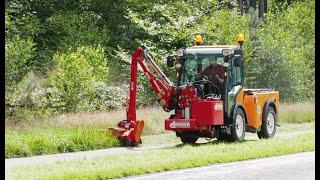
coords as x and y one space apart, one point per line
215 73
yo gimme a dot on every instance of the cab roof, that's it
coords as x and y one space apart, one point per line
214 49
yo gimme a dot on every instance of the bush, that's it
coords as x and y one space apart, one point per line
18 52
75 77
110 97
27 101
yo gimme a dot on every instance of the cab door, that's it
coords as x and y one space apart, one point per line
234 82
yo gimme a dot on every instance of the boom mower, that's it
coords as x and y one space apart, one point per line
201 107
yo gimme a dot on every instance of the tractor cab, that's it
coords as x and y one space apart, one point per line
193 61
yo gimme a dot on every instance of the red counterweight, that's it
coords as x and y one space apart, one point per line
207 112
204 113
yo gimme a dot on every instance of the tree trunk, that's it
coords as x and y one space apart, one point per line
261 8
253 4
240 2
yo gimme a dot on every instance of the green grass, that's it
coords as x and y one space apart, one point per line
85 131
181 156
72 132
49 140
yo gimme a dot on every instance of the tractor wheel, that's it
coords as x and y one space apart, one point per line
238 128
223 136
268 127
189 139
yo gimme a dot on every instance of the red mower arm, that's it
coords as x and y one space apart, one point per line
130 129
160 87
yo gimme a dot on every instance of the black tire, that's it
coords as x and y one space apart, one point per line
223 136
238 127
269 121
189 139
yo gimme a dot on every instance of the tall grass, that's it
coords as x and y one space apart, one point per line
297 113
56 140
73 132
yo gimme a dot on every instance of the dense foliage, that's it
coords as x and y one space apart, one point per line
74 55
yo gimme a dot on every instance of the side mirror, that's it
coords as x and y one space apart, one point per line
170 61
180 52
238 60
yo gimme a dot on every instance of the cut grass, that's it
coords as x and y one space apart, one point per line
56 140
182 156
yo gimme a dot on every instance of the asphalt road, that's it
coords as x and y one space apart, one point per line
299 166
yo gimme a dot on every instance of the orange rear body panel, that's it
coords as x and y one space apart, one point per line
254 102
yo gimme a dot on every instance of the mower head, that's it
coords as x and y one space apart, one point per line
129 132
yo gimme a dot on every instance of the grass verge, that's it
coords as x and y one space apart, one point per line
85 131
182 156
50 140
73 132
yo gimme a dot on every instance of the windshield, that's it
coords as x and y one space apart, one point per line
196 62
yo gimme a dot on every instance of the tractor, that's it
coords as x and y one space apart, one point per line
200 106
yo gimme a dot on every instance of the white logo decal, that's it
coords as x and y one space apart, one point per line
218 107
259 109
174 124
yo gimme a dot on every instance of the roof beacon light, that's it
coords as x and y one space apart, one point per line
198 39
240 39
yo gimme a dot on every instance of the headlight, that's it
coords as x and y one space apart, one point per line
227 52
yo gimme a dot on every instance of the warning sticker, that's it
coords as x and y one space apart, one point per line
218 107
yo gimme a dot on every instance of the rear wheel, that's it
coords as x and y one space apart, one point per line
268 127
238 126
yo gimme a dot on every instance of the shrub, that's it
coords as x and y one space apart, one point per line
18 52
76 74
110 97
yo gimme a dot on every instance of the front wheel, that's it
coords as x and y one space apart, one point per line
238 126
223 136
189 139
268 127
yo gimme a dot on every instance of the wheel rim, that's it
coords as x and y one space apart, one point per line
270 123
239 125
